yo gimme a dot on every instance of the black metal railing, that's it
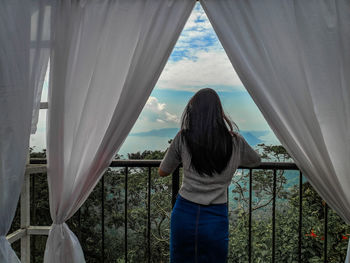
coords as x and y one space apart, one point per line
272 166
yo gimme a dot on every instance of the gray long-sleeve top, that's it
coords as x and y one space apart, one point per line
207 190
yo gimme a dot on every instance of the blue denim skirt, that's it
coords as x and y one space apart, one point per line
198 233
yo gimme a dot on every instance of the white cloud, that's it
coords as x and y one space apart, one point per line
156 110
211 68
199 59
154 105
197 28
198 19
171 117
160 121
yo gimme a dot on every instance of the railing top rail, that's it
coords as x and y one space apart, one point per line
156 163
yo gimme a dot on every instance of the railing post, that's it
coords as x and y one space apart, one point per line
325 227
300 227
175 186
103 218
32 214
274 216
250 216
25 218
126 215
149 185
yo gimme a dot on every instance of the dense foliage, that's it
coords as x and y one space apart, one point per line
112 190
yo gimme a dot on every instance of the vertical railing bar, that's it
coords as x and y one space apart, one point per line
300 215
79 224
274 215
325 232
103 217
34 216
175 185
149 216
126 215
227 196
227 205
250 216
25 218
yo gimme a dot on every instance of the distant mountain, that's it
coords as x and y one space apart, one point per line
258 133
166 132
252 137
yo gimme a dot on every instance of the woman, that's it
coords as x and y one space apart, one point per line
210 152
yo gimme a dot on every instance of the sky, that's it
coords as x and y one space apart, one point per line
197 61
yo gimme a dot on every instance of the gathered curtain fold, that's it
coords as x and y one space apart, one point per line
22 59
106 58
293 57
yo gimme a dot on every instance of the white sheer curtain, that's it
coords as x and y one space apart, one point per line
105 62
294 59
20 65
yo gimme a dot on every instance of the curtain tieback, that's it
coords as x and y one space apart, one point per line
60 226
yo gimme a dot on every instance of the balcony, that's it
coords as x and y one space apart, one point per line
127 216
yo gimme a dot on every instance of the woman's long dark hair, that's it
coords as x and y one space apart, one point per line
207 132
